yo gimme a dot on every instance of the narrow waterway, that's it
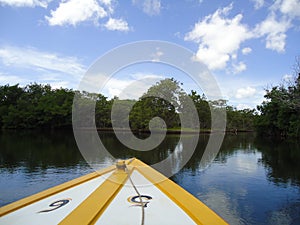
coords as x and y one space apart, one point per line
253 180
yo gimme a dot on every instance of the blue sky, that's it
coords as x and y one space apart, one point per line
248 45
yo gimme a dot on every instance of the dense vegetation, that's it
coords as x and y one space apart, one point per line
40 106
35 106
280 113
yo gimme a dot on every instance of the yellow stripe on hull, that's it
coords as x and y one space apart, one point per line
51 191
114 199
198 211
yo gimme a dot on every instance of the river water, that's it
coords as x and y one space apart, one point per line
252 180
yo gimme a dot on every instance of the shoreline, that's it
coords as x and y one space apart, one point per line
140 131
171 131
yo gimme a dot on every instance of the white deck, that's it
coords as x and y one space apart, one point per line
159 210
108 202
29 215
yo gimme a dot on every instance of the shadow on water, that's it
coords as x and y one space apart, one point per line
281 159
119 151
32 161
38 150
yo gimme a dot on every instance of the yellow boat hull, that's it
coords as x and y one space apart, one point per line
130 192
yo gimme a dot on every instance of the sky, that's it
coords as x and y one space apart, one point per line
248 45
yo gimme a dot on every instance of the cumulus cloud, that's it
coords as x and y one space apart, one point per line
25 3
246 51
150 7
30 58
258 3
73 12
239 67
275 32
108 4
245 92
290 8
132 87
277 23
116 24
215 48
219 36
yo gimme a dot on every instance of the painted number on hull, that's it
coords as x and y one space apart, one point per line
135 200
56 205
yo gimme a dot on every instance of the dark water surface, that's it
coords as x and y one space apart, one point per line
251 181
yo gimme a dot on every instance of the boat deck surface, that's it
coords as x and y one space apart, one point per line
129 193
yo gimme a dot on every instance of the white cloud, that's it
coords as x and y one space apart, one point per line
72 12
150 7
116 24
30 58
246 51
258 3
156 56
287 77
25 3
245 92
215 49
236 89
11 79
242 106
274 31
132 87
291 8
239 67
115 86
108 4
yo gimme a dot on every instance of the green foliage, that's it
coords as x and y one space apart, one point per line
203 109
40 106
161 100
280 113
9 95
102 111
35 106
240 120
121 110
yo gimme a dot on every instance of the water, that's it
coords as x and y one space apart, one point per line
251 181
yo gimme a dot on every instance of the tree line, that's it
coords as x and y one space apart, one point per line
35 106
280 112
40 106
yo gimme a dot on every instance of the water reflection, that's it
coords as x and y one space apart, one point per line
38 150
241 187
281 159
251 181
229 207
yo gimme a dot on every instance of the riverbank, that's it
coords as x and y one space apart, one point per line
171 130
